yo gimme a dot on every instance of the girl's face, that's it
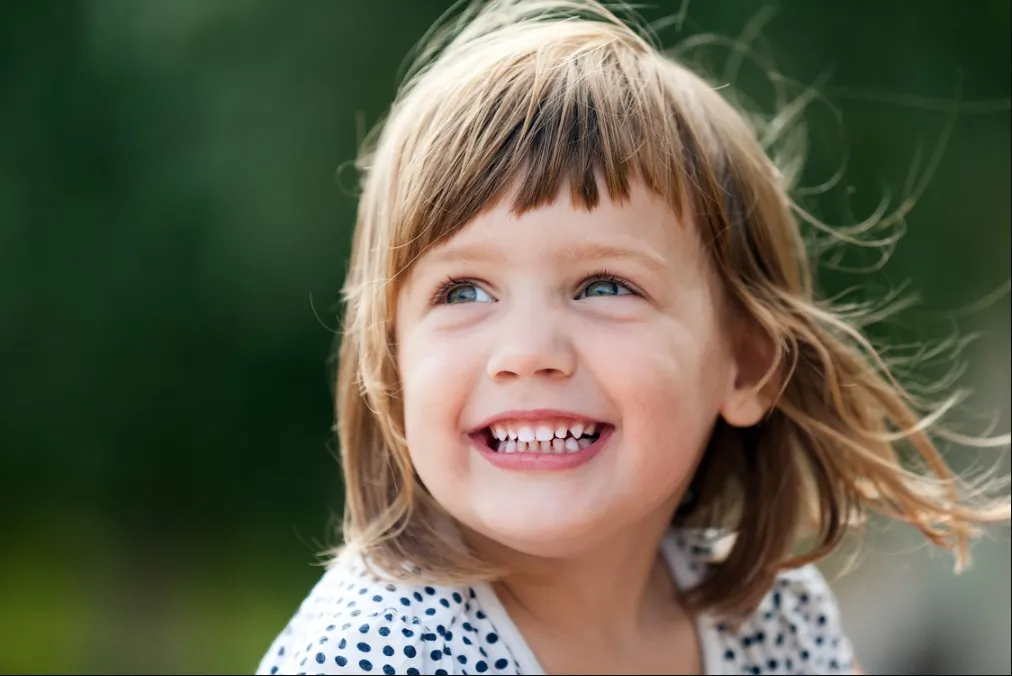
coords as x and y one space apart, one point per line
562 370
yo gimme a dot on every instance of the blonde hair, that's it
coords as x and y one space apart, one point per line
552 93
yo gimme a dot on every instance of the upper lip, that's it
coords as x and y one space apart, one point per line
535 414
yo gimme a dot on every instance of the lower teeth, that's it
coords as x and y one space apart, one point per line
555 446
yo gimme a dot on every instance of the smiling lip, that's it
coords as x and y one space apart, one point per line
534 414
542 461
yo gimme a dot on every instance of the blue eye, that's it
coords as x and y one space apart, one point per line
604 287
455 293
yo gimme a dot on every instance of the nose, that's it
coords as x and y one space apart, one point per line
532 344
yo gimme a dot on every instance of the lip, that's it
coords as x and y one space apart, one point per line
535 414
526 462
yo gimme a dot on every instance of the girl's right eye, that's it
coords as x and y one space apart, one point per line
455 292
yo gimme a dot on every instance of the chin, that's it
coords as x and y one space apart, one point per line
550 536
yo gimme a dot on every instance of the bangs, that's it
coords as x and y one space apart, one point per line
573 113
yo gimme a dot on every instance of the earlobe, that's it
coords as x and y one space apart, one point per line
745 407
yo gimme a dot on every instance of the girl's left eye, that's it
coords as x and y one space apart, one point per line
604 286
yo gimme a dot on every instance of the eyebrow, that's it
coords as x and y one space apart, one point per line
583 251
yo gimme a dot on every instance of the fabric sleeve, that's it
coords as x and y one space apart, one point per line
377 642
813 626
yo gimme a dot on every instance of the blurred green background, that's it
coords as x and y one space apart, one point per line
173 235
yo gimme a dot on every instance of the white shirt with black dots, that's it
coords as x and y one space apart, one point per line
353 623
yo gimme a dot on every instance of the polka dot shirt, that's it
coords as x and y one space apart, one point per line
354 623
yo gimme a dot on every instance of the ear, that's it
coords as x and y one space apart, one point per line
754 380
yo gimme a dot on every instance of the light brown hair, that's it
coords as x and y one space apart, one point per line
549 94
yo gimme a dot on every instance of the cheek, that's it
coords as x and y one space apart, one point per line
667 380
436 376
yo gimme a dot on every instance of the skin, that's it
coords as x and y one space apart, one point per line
528 322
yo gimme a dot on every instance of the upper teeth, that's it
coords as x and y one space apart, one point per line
543 431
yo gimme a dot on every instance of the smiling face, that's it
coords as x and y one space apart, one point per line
525 331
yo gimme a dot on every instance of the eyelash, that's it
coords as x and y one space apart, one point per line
439 297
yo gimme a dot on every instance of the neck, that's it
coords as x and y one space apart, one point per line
612 589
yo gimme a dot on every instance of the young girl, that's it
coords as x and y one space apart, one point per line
588 402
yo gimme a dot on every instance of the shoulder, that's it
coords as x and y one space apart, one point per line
797 627
354 623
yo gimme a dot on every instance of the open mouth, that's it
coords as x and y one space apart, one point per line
554 437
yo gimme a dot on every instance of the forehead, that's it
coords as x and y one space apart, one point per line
640 226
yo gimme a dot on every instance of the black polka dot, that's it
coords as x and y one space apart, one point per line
480 666
413 672
462 659
389 670
390 588
341 660
388 651
409 651
320 658
364 629
480 615
771 664
436 655
428 636
430 611
274 670
384 631
407 632
405 601
363 647
342 644
457 598
377 598
502 663
444 603
448 635
430 591
365 665
492 638
441 672
729 654
418 597
756 670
